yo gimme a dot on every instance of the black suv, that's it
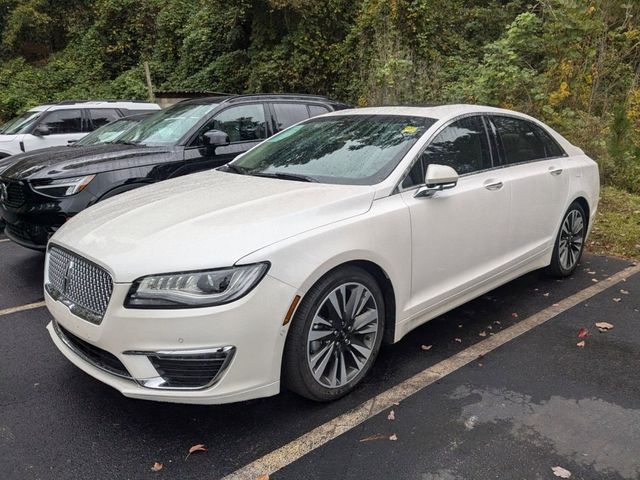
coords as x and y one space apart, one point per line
42 190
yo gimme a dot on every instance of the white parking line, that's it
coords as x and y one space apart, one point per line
289 453
21 308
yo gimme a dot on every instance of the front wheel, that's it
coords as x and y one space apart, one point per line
335 335
569 242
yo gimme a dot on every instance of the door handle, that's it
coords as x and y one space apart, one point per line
555 171
493 185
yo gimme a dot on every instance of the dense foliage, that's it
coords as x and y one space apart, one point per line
573 63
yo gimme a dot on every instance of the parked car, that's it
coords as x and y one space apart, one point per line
294 263
104 134
57 124
44 191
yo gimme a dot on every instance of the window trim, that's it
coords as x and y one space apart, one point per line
191 138
398 188
500 147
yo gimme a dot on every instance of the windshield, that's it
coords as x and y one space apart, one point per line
107 133
346 149
168 126
19 123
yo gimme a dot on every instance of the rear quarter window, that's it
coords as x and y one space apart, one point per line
522 141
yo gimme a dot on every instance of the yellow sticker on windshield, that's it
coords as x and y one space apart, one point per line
410 129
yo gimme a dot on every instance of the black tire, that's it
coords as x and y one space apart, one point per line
559 267
297 370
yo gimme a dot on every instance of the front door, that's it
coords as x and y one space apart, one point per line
63 126
244 124
458 235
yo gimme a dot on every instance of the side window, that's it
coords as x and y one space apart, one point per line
102 116
63 121
315 110
243 123
289 113
551 148
520 140
462 145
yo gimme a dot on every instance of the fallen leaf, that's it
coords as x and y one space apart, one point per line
480 365
617 300
594 280
483 334
545 294
460 326
156 467
514 315
393 437
392 415
561 472
497 322
459 340
489 327
262 477
377 436
580 344
583 332
591 272
604 326
426 347
196 448
624 292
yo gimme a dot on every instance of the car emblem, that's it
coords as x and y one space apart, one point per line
4 195
67 275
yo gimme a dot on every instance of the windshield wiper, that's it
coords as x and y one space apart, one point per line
128 142
286 176
234 169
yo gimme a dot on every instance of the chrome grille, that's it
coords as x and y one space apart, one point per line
80 284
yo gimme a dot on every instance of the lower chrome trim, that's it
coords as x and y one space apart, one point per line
63 338
159 383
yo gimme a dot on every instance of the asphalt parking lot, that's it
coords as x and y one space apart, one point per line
533 402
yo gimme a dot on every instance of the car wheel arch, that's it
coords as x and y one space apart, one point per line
120 189
385 284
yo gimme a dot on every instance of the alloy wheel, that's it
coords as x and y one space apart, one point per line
342 335
571 239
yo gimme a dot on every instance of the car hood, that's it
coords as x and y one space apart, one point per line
205 220
7 138
62 162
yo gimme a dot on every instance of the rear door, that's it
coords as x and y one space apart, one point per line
458 235
98 117
63 125
286 114
535 166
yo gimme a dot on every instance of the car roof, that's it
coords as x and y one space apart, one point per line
437 112
126 104
229 98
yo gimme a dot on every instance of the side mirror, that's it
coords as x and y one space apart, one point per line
215 138
42 130
438 177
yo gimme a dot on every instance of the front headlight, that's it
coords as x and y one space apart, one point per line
195 289
63 187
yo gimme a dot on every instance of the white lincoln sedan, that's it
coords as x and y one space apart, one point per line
291 266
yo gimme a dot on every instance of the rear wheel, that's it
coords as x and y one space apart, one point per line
569 242
335 336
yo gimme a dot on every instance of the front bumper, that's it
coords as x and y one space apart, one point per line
251 326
